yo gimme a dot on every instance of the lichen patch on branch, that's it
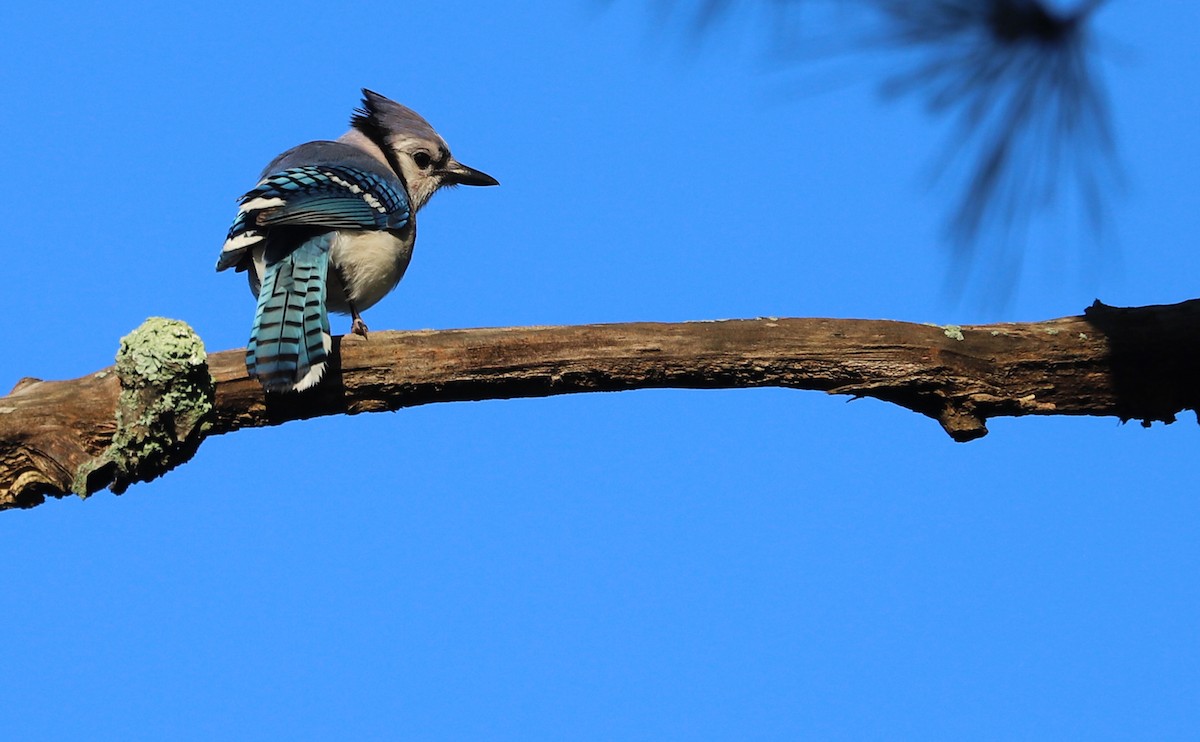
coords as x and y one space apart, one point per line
164 410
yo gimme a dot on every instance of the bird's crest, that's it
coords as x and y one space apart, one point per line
385 120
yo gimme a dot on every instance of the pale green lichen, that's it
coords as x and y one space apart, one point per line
1052 331
954 332
1083 336
165 406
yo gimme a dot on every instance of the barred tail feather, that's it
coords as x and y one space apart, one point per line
290 341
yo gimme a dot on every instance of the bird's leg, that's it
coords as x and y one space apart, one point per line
357 326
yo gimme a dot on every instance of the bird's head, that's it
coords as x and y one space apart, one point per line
412 148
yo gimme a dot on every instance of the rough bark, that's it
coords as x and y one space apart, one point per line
57 437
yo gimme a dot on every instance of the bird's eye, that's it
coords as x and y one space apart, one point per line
423 160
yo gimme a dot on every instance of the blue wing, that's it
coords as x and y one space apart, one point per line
329 196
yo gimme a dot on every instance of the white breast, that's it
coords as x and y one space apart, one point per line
370 263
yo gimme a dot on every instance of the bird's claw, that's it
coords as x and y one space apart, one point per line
358 327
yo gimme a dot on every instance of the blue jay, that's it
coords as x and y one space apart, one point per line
331 226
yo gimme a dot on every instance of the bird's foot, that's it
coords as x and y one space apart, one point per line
358 327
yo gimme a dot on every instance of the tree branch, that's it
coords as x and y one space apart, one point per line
57 437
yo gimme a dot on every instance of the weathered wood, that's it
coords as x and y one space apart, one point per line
1137 363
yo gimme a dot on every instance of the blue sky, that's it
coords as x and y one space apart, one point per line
763 564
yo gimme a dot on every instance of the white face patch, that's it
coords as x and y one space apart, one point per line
421 183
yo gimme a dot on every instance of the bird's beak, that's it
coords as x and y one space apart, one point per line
456 173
